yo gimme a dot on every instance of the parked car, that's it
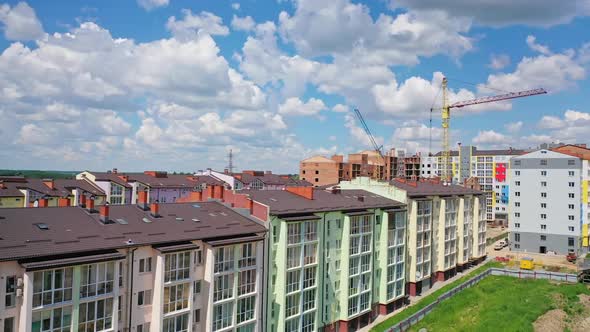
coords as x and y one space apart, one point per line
500 245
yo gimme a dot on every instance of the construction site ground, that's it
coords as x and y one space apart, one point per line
542 261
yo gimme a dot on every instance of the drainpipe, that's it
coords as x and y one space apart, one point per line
373 263
322 268
130 289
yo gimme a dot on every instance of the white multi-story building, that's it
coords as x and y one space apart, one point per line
546 202
491 167
176 267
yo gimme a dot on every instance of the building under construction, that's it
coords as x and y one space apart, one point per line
322 171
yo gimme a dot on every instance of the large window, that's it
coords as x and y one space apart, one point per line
451 208
97 279
176 324
360 269
10 298
222 316
177 266
52 286
53 320
117 194
96 316
234 300
9 324
423 235
396 230
176 297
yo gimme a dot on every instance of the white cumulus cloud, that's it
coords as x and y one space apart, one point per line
20 22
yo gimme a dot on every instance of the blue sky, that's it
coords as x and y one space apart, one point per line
173 85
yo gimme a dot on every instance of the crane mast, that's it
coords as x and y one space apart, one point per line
446 160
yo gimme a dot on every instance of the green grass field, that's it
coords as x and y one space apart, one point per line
407 312
501 303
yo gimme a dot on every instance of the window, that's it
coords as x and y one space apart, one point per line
223 288
517 204
176 266
543 226
543 173
117 194
144 297
97 279
176 297
176 324
516 237
247 255
516 225
570 173
517 214
246 282
570 242
543 205
317 172
517 163
222 316
517 173
517 193
96 316
197 287
571 195
570 206
309 277
571 162
52 286
55 320
544 195
517 183
145 327
543 237
121 273
543 216
570 217
145 265
197 316
543 162
570 228
516 246
543 184
570 184
10 299
246 309
292 306
9 324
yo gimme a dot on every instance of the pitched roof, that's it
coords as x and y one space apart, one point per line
431 188
111 177
62 187
74 230
282 202
271 179
164 180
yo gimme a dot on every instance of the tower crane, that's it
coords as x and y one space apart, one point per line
446 118
376 147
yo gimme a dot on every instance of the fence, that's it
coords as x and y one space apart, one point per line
420 314
496 238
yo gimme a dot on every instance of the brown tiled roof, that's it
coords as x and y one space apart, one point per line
282 202
167 181
174 180
268 179
431 188
112 177
73 230
62 187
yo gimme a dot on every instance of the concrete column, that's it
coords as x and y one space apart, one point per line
26 198
76 193
158 294
26 314
116 297
440 238
207 285
344 263
412 239
76 280
260 289
460 231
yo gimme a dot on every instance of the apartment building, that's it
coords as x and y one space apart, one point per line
336 258
446 227
548 199
124 188
490 167
322 171
172 267
17 191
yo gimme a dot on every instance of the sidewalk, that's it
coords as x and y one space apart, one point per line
415 299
